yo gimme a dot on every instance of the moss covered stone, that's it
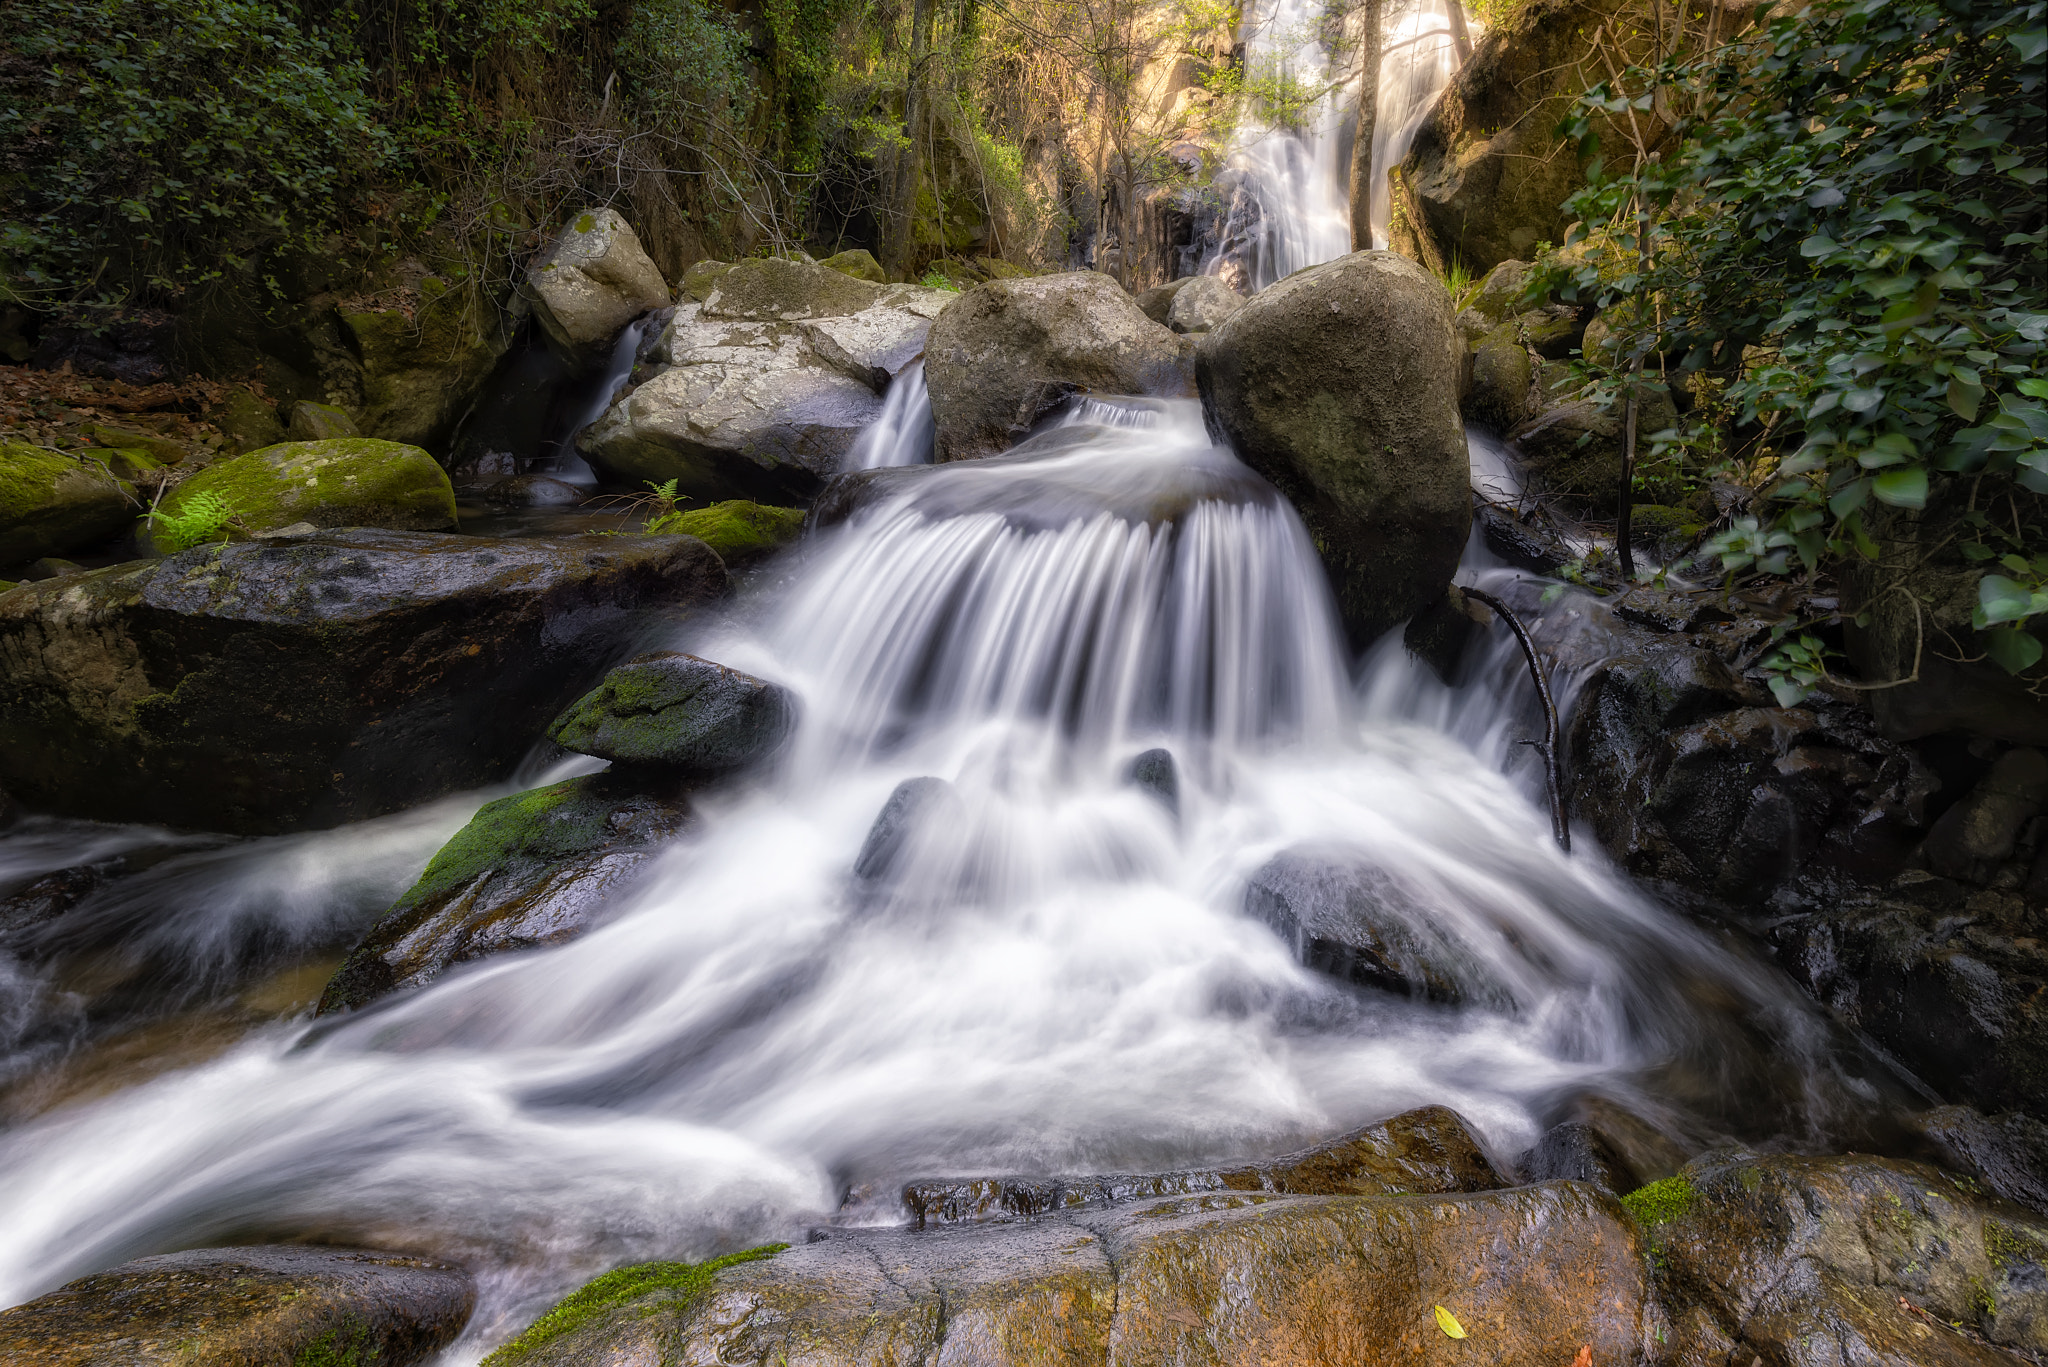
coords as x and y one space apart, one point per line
309 421
675 1285
859 264
678 712
739 530
52 503
246 421
774 290
1661 1202
346 482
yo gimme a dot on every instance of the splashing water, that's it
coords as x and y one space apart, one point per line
1057 977
902 433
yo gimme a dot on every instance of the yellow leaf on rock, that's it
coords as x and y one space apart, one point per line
1448 1322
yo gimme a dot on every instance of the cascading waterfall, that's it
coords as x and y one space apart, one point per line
1418 62
902 433
1058 977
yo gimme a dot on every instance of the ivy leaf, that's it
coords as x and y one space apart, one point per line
1999 599
1902 487
1448 1322
1963 398
2013 650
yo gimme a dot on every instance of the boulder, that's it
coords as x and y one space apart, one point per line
1690 777
536 491
741 532
2007 1153
1573 450
1009 352
914 805
858 263
1498 395
698 279
342 482
424 363
592 280
309 421
284 1303
308 681
1486 170
1429 1150
1981 832
153 447
1340 385
537 868
758 392
1157 302
1205 302
1812 1261
248 423
676 712
53 504
1503 293
1155 773
1233 1279
1577 1152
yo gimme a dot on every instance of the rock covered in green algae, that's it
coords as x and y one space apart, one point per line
1253 1279
858 263
52 503
677 712
343 482
740 531
309 421
269 686
1427 1150
1818 1261
237 1307
537 868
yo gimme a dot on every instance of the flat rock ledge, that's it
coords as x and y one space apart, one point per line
245 1307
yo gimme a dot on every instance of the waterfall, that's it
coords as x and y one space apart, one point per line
1418 61
1058 976
902 433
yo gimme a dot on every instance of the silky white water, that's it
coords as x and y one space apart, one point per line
1058 976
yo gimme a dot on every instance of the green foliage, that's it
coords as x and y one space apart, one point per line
206 516
150 145
615 1288
1661 1202
686 61
803 65
1850 242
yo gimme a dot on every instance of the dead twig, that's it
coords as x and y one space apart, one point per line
1552 770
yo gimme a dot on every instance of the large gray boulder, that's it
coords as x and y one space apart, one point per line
1340 385
1011 351
1202 304
591 281
308 681
758 391
278 1303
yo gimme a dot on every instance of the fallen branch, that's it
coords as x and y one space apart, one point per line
1548 745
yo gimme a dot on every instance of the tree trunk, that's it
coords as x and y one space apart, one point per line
1461 37
902 246
1369 45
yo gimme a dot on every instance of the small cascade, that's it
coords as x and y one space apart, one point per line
1420 58
903 433
565 462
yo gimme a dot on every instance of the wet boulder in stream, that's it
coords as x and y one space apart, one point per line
308 681
1340 385
677 712
225 1307
592 280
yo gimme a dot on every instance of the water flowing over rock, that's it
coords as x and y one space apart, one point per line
54 504
676 712
1012 351
537 868
281 1304
268 686
759 391
1340 384
340 482
591 281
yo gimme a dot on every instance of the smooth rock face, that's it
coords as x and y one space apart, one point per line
758 392
537 868
1203 303
1340 385
1812 1261
278 685
1226 1279
675 711
237 1307
343 482
591 281
1426 1150
1011 351
52 504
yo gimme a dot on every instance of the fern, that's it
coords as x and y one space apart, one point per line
206 516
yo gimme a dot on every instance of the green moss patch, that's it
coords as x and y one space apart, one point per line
340 482
683 1281
1662 1202
738 530
545 824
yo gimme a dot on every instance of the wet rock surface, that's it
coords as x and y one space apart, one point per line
677 712
1009 352
537 868
1340 385
287 1305
1430 1150
279 685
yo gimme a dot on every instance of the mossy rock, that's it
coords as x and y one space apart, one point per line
698 279
161 450
774 290
309 421
246 421
672 1287
678 712
739 530
346 482
52 503
858 263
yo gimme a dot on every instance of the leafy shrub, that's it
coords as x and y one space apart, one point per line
1850 242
